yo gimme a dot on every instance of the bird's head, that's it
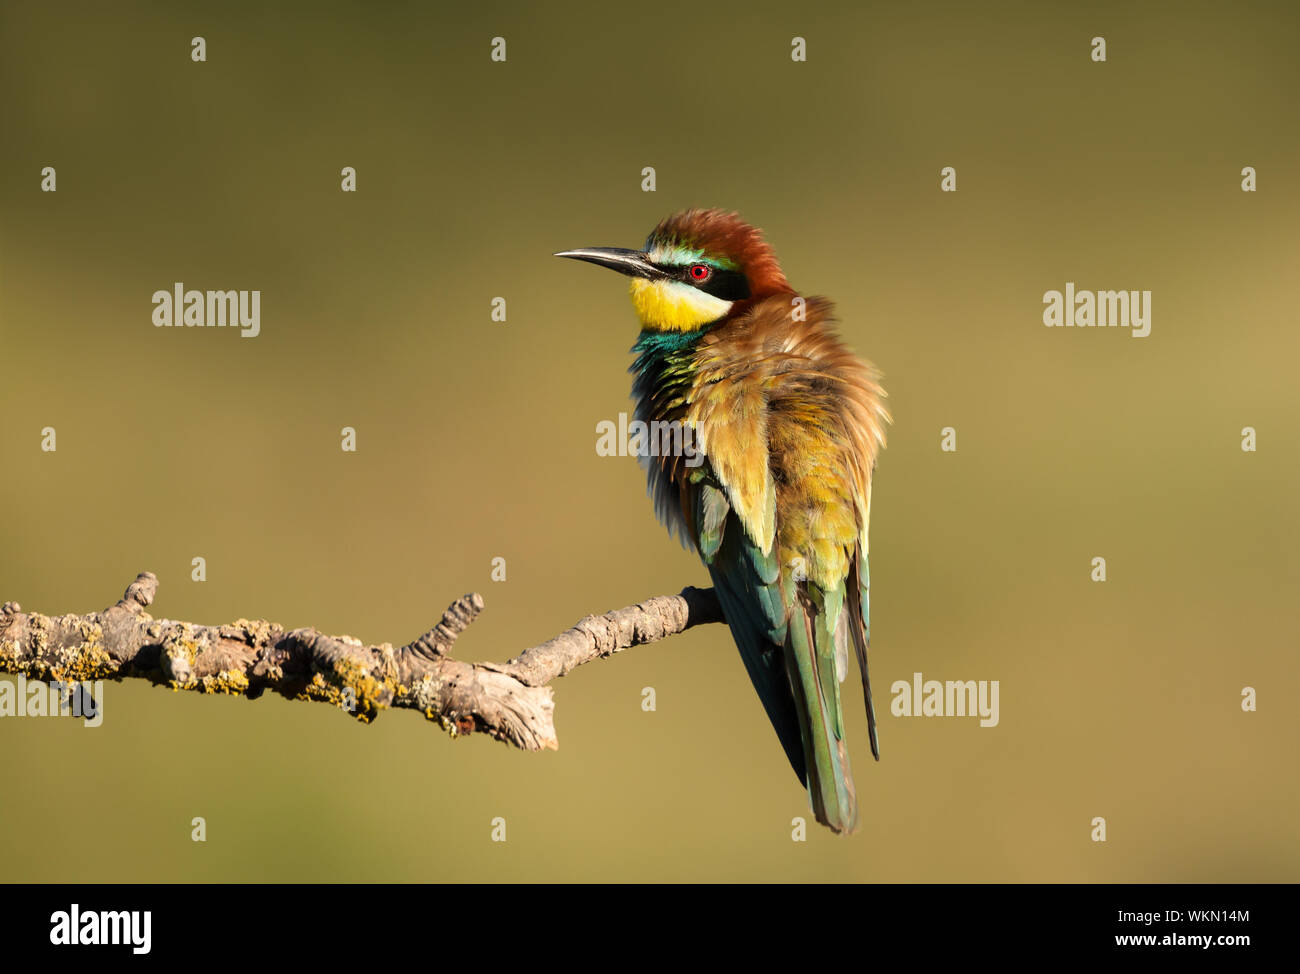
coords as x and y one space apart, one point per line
698 267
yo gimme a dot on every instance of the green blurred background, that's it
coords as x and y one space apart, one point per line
477 438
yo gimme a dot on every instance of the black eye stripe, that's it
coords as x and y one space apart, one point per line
722 283
727 285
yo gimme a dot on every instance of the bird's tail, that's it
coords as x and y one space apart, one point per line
810 655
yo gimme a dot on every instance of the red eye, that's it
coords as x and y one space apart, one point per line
700 272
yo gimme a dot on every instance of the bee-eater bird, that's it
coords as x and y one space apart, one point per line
788 423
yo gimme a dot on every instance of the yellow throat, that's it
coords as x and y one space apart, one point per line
674 306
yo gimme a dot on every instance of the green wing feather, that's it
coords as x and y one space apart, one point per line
811 657
747 584
785 630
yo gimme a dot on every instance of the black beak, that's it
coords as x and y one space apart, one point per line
633 263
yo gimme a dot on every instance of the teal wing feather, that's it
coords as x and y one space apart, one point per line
747 584
785 631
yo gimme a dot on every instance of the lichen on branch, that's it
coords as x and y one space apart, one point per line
511 702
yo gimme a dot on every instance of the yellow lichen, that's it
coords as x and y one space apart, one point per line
351 687
9 654
255 632
182 643
85 661
227 681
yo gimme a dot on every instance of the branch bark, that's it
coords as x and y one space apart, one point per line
511 701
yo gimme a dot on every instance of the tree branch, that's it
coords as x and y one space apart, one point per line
508 701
